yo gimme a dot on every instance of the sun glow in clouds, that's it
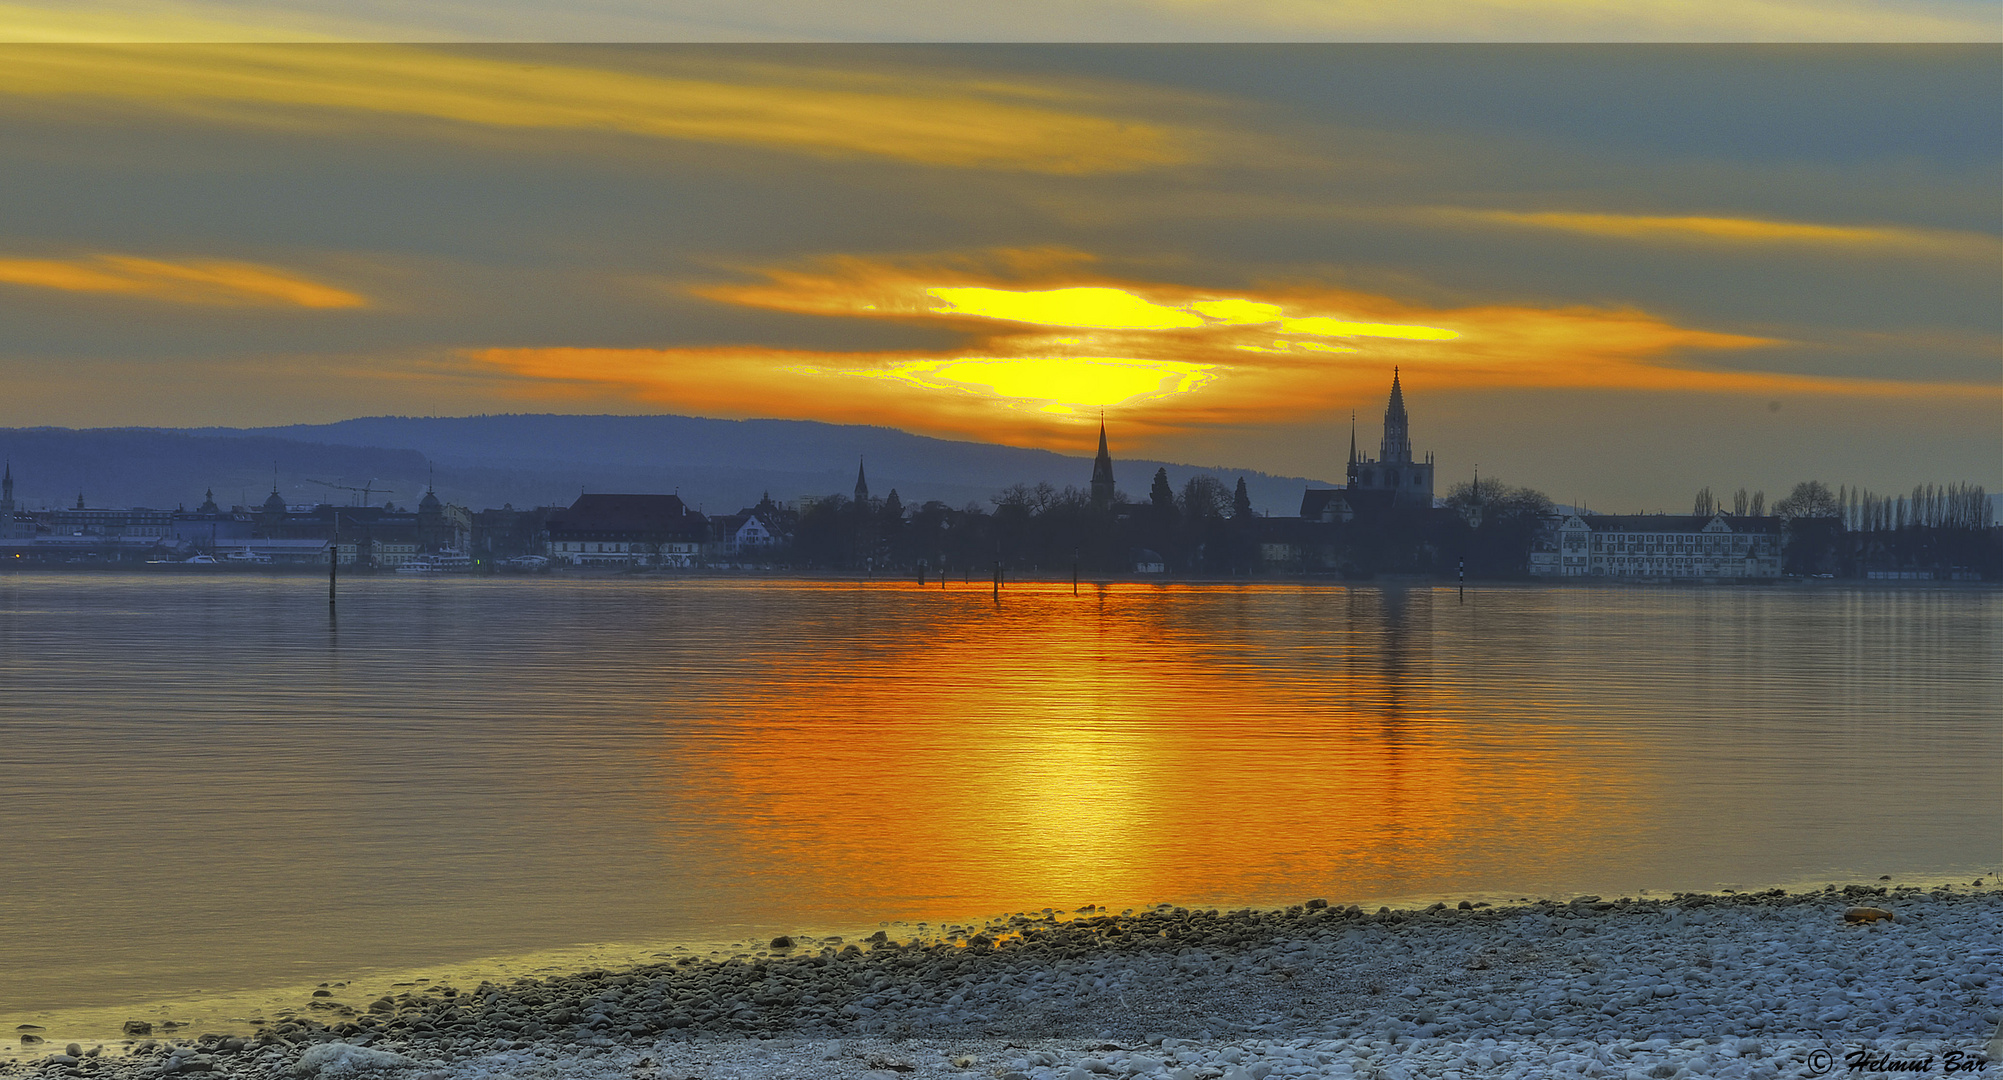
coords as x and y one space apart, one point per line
1064 384
1098 307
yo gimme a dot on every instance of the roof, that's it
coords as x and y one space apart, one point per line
1314 501
626 514
1676 523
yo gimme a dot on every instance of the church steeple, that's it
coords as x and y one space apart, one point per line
861 485
1352 438
1102 471
1397 449
7 488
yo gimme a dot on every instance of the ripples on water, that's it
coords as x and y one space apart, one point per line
211 784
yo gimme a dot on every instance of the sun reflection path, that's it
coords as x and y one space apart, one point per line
975 760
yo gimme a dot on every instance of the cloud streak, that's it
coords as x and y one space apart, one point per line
201 282
915 118
1744 232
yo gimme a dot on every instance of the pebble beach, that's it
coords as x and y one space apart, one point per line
1862 980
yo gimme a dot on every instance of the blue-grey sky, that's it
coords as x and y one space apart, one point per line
1613 272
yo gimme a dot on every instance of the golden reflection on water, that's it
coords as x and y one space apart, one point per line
219 792
1116 748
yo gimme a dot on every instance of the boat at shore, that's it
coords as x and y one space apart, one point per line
440 562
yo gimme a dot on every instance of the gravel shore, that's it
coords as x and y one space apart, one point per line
1760 985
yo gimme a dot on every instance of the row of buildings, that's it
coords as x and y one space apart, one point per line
1384 518
596 530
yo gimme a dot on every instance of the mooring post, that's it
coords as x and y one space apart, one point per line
1463 596
334 559
1074 579
997 579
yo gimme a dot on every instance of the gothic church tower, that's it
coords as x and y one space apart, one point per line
1394 478
1102 472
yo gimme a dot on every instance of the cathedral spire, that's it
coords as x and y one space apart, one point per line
1352 436
1102 470
861 485
1397 448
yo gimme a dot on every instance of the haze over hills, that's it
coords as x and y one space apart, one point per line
528 460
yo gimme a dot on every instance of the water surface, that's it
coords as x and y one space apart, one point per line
212 786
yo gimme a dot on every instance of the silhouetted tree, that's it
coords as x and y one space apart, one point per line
1706 505
1810 498
1161 495
1494 526
1241 502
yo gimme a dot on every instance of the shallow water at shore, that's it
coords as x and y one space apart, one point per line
215 788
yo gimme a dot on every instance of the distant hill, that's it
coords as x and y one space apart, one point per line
529 460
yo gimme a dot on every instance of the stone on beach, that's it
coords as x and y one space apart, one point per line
1865 914
1729 987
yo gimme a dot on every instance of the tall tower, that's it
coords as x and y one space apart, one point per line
1397 448
1102 471
7 503
1395 477
861 485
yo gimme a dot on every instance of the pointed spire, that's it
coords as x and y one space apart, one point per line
1397 446
861 483
1102 469
1352 436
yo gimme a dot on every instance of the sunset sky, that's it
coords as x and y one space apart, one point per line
1615 273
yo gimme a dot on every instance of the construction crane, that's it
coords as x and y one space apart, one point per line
366 489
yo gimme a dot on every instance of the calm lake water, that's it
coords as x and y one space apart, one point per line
212 787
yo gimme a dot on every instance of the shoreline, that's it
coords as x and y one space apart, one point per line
983 584
1688 977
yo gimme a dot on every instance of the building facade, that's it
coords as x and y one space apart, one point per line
1657 546
627 531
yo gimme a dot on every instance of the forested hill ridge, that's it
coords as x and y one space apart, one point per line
537 459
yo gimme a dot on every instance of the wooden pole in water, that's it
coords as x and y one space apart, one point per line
921 575
1463 596
1074 578
334 558
997 579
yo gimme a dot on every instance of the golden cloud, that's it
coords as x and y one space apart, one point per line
921 119
202 282
1040 355
1694 229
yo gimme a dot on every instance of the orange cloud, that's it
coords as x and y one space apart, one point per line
918 118
203 282
1040 355
1695 229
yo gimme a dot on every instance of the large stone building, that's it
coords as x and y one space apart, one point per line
1393 476
1640 546
1391 480
628 530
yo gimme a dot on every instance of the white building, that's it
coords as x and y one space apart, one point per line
1658 546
